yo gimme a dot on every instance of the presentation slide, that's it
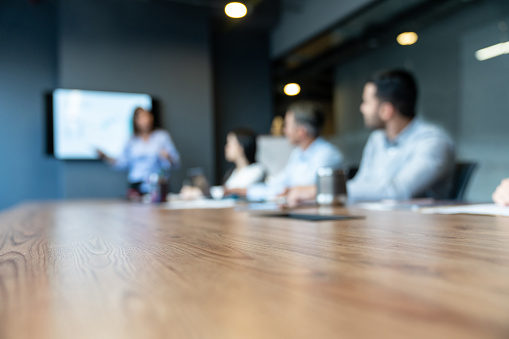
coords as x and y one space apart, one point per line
85 121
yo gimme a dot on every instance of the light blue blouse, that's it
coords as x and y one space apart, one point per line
142 157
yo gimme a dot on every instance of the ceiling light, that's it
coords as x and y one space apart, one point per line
235 10
492 51
292 89
407 38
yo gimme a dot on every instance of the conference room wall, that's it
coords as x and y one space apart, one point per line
242 86
158 48
27 68
468 98
484 106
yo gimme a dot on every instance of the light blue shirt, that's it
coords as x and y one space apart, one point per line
418 163
142 158
300 170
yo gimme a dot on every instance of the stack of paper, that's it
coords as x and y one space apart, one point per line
483 209
199 204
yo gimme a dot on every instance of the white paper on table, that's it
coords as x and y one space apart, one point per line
484 209
394 205
199 204
376 206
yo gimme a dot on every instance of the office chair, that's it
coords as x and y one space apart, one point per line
351 171
462 173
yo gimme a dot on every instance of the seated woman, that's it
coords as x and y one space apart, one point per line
150 150
240 149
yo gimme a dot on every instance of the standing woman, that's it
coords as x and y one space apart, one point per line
150 150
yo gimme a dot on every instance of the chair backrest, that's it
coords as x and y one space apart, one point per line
352 171
462 174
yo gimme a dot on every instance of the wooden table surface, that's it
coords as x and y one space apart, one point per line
103 269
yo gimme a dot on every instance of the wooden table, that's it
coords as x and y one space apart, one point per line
118 270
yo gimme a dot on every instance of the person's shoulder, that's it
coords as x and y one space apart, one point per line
325 144
295 153
376 136
132 140
377 133
427 130
256 167
428 127
326 149
161 134
375 140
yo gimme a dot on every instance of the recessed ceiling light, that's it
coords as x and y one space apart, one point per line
407 38
292 89
235 10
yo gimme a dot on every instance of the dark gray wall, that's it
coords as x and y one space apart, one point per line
302 19
242 86
466 97
27 68
483 127
156 48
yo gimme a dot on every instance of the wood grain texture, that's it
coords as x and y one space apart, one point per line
118 270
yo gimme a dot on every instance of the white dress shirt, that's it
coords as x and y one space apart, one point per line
418 163
246 177
300 170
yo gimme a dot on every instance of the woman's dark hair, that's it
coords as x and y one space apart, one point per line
247 139
155 124
397 87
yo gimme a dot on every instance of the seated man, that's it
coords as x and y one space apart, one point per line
501 194
303 124
404 157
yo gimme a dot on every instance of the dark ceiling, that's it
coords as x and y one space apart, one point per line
368 28
262 14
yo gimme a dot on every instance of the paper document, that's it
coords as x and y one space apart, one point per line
484 209
396 205
199 204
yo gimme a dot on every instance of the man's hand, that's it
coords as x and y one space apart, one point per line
240 192
300 195
501 194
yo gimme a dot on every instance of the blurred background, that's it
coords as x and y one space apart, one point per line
211 73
